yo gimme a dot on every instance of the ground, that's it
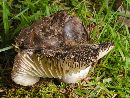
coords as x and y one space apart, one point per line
109 78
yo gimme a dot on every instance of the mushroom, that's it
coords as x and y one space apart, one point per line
55 47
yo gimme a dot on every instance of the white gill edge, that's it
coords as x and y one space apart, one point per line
75 77
103 53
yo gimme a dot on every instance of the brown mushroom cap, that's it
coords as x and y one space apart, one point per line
52 32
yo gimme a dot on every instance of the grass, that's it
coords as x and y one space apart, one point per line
109 79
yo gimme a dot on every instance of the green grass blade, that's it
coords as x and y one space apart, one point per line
128 1
6 48
5 16
47 11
